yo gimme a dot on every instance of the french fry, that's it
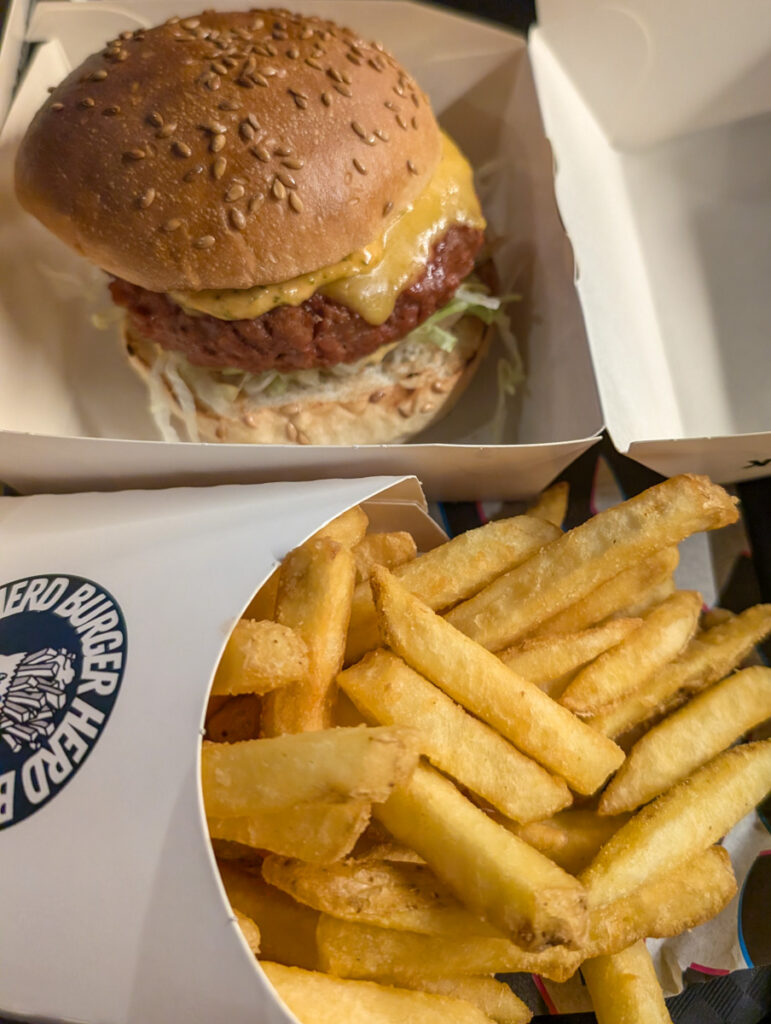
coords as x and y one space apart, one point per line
552 504
682 823
480 681
263 604
287 929
388 549
624 988
624 669
572 838
353 950
320 833
249 930
668 905
389 692
647 599
260 656
494 998
709 657
689 738
452 572
245 779
407 897
376 844
314 597
577 562
347 529
490 870
238 718
316 998
551 661
632 586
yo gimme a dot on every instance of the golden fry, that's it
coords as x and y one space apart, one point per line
347 529
314 598
493 997
263 604
572 838
624 988
249 930
624 669
552 504
389 692
238 718
388 549
681 823
689 738
260 656
480 681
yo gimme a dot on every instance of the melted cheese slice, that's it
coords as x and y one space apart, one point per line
369 280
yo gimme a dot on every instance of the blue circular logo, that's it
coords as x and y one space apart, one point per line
62 658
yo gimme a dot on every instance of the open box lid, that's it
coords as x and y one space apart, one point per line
80 421
659 117
112 908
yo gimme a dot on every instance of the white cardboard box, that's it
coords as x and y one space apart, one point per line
112 908
659 115
78 420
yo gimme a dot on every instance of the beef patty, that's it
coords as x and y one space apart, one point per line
318 333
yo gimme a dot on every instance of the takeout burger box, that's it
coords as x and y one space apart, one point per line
72 414
118 606
659 117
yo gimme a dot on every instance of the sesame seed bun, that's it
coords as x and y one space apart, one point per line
228 150
414 386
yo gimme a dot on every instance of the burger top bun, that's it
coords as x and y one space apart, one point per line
228 150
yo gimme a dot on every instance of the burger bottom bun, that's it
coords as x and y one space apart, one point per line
385 401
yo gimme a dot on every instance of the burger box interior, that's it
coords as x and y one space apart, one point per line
110 832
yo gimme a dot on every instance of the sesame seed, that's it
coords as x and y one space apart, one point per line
286 179
306 33
121 55
108 111
406 408
166 131
291 432
245 83
415 100
204 242
242 34
190 23
303 438
214 127
361 132
98 76
213 83
355 50
218 167
272 51
387 208
233 193
217 143
219 68
193 172
427 407
353 58
246 131
383 136
269 71
390 105
293 53
440 386
326 99
59 106
228 105
377 396
343 90
256 24
181 148
293 162
155 119
300 101
280 34
359 165
237 219
146 199
86 102
401 122
278 190
259 79
313 64
398 89
261 153
252 119
345 77
173 224
412 168
282 150
335 75
374 65
255 201
126 34
135 154
295 202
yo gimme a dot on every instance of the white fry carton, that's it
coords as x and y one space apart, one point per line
73 416
114 610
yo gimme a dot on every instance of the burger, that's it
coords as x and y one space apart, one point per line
289 233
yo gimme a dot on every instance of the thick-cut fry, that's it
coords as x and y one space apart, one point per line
243 779
314 598
238 718
263 604
580 560
552 504
681 823
624 669
364 951
572 838
316 998
493 872
709 657
388 691
347 529
624 988
668 905
551 661
642 585
320 833
260 656
492 997
287 929
689 738
452 572
388 549
481 682
408 897
249 930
